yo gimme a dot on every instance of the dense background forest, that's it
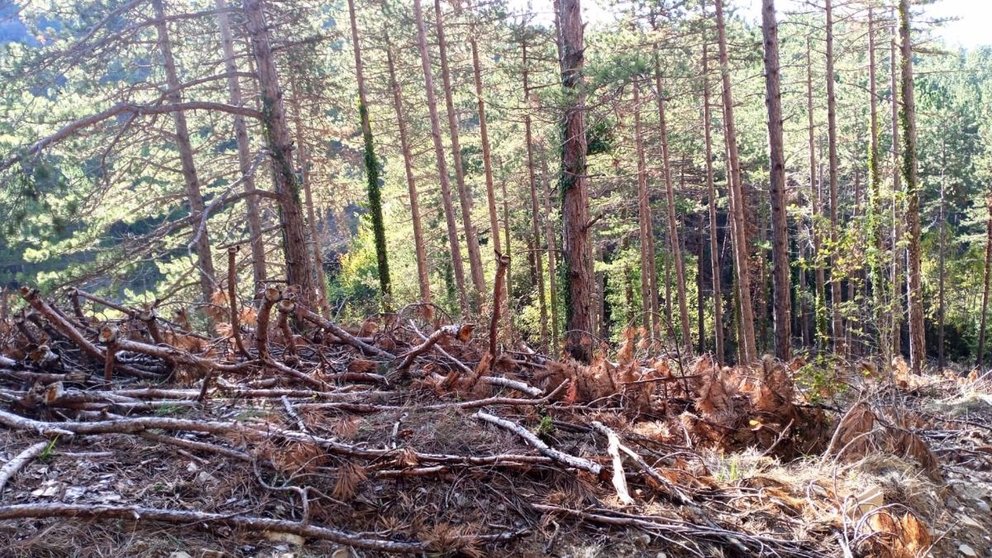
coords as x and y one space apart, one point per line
382 153
325 278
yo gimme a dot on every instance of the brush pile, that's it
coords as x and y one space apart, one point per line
287 434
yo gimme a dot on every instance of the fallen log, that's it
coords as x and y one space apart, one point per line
559 456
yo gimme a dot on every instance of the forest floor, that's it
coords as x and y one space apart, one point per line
385 440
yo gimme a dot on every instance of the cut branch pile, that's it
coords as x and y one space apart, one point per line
394 439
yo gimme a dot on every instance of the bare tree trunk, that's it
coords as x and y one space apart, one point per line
780 226
917 339
819 305
373 168
535 212
299 267
878 287
423 276
442 165
549 232
942 223
487 158
204 259
574 189
700 306
748 351
835 296
711 188
259 273
649 294
673 229
464 196
303 160
898 209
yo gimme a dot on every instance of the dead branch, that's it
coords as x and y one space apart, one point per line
232 296
19 461
499 293
613 448
545 449
347 337
673 491
190 518
270 296
462 332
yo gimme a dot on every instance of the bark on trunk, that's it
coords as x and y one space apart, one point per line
780 227
373 168
487 158
303 161
917 340
898 209
673 229
574 189
820 297
549 232
299 267
748 352
442 165
835 296
204 259
711 188
535 222
649 293
878 287
423 276
258 271
464 196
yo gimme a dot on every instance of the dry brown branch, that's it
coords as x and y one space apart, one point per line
19 461
232 297
191 518
347 337
462 332
499 293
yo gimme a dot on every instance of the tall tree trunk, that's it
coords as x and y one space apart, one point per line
987 272
700 306
715 269
748 352
373 169
442 164
898 208
941 222
878 288
820 298
917 339
574 189
649 293
204 259
835 296
259 273
673 229
780 226
303 160
487 158
535 222
549 232
464 196
423 276
299 266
